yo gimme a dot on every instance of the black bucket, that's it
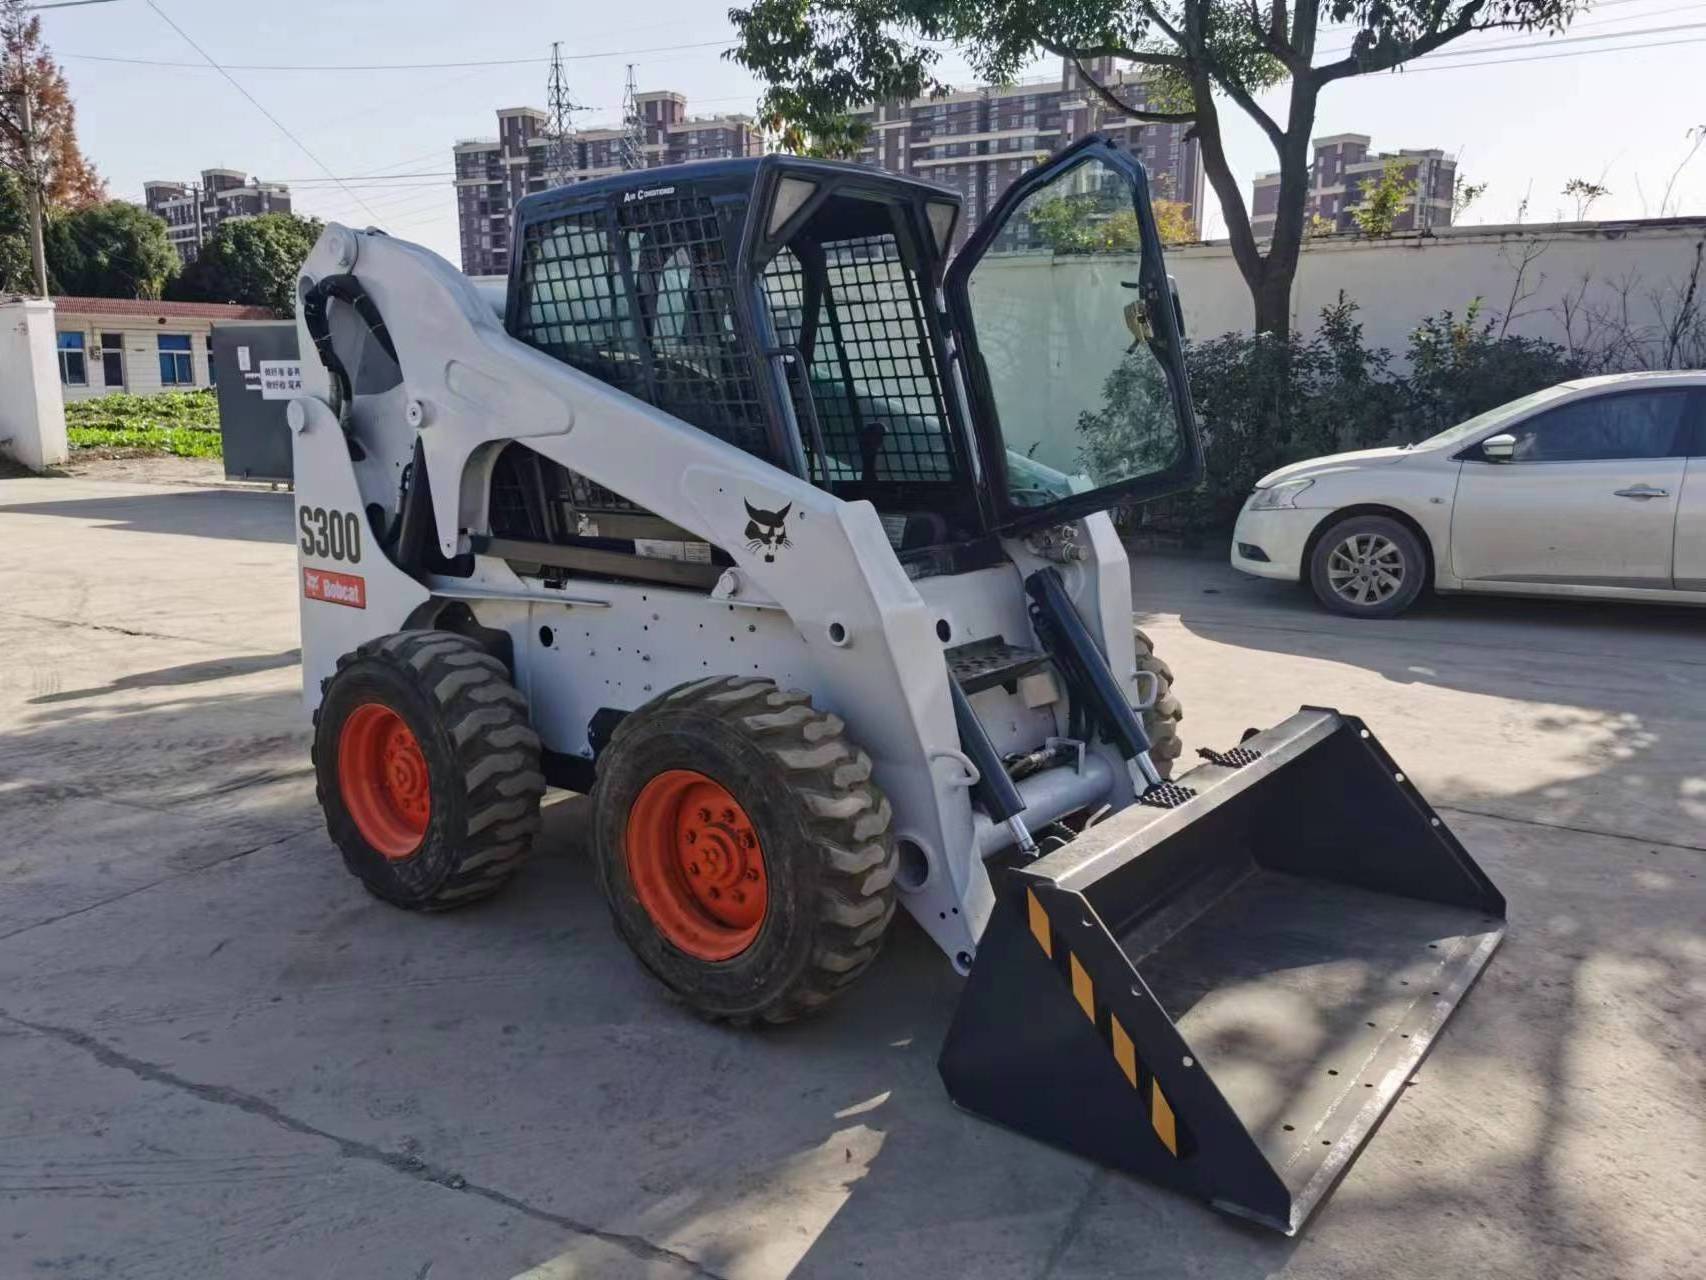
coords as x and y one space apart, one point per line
1227 996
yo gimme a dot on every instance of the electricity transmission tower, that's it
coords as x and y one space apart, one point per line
633 128
560 107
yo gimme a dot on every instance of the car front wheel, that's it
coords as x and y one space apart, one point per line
1367 567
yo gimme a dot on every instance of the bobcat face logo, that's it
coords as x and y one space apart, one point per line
765 531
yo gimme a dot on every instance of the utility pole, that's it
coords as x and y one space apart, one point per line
633 128
32 179
560 106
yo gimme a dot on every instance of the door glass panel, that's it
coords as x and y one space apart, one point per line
1647 424
1083 403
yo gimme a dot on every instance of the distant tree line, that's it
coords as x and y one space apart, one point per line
115 249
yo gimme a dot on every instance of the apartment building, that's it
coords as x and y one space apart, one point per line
978 141
492 174
1344 167
193 211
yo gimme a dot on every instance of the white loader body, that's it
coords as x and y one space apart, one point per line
831 611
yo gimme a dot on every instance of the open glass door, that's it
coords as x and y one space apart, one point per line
1073 345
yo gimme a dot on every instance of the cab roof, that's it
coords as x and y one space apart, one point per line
740 176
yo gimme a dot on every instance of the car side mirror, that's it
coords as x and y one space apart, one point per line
1499 448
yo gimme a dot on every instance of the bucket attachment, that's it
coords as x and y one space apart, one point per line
1226 996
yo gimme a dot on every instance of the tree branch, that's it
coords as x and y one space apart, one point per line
1247 102
1108 96
1155 15
1148 58
1272 37
1434 38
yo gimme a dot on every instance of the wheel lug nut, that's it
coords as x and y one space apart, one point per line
728 815
692 837
704 815
693 868
751 873
737 895
716 892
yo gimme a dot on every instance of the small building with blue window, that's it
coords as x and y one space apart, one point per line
141 347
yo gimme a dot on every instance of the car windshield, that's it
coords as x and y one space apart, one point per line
1492 417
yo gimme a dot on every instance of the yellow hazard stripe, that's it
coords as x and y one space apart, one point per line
1161 1116
1039 922
1125 1053
1082 991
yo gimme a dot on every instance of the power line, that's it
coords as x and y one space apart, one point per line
1528 42
235 84
370 179
393 66
1554 42
1547 57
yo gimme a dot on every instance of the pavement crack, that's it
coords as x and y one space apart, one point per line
1074 1224
1565 826
153 884
349 1148
109 627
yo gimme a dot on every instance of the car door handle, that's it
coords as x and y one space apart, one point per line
1642 491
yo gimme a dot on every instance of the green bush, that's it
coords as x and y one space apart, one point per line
1262 403
183 423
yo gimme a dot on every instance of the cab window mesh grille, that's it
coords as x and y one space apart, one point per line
872 371
670 337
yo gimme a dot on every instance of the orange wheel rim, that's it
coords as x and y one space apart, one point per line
384 780
696 865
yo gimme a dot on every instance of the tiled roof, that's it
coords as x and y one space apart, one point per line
156 310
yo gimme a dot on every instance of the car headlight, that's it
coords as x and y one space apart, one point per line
1278 495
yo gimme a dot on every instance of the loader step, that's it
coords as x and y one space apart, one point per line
983 664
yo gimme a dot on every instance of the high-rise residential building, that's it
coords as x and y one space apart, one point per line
492 174
1344 168
979 140
193 211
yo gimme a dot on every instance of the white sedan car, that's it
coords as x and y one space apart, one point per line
1594 488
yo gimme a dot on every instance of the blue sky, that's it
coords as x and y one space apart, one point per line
1524 127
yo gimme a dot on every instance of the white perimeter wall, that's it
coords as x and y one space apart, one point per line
32 411
1585 268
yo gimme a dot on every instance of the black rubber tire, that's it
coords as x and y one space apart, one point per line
482 761
1161 720
1412 579
830 857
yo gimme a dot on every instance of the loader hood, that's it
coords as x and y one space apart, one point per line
1312 468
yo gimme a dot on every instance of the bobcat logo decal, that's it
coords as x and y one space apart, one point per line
765 531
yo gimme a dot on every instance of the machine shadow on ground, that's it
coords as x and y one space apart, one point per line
186 673
203 513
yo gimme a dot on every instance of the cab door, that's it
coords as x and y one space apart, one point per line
1071 344
1588 497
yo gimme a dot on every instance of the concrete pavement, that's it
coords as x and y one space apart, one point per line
223 1059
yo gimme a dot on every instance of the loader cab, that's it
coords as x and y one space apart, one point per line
809 312
1034 378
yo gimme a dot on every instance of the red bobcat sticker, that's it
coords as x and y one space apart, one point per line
334 588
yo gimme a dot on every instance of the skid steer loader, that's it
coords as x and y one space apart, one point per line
744 510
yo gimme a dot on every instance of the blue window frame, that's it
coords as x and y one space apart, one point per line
73 362
177 365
